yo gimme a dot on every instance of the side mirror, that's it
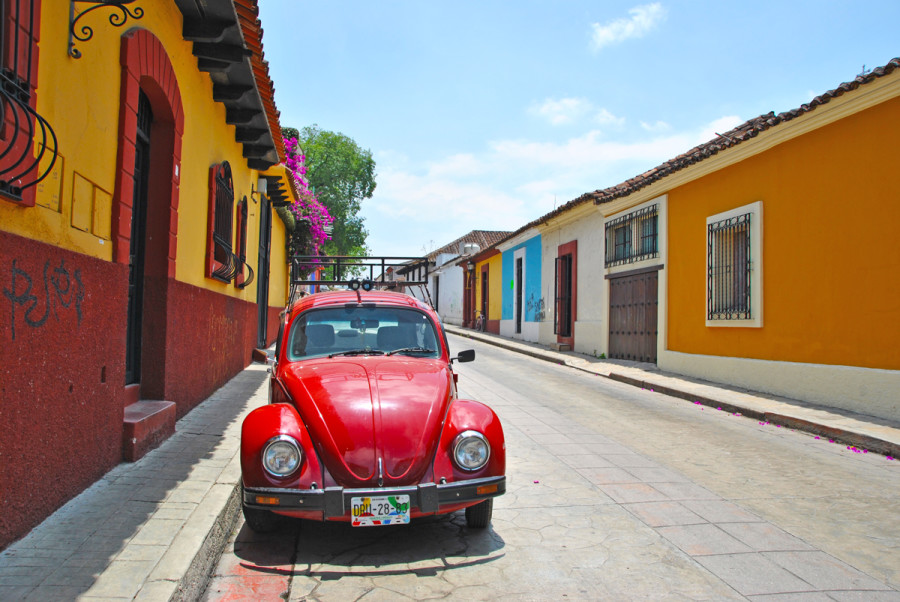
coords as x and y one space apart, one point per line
465 356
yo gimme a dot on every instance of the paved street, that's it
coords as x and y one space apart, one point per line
614 493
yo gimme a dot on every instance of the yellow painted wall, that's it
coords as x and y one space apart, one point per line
831 209
495 277
80 99
279 271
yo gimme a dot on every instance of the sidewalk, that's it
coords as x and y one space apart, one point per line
150 530
864 432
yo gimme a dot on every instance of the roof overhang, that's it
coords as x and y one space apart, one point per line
227 41
521 237
280 187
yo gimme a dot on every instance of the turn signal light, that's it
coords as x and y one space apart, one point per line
270 501
485 489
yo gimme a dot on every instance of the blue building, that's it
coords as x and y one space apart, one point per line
523 304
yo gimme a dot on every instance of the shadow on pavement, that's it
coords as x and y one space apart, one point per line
333 550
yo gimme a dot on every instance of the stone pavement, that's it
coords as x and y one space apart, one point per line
149 530
864 432
154 529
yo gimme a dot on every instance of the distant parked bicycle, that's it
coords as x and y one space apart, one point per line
479 320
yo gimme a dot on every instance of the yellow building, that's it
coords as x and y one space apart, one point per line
141 262
487 280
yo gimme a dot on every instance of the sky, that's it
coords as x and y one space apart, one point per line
488 114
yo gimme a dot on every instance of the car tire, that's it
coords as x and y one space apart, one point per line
261 521
479 515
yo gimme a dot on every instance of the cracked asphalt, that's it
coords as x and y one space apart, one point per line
614 493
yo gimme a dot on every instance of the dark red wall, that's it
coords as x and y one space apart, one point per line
62 349
272 324
206 330
62 367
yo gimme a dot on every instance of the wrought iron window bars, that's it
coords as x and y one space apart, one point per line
19 164
641 225
240 281
729 269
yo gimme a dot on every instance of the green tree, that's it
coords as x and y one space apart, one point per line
342 175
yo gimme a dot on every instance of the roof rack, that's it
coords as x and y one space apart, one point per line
345 268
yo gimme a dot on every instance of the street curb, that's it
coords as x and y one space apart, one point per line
198 574
836 434
706 401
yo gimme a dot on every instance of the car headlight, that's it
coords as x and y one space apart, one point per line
471 450
282 456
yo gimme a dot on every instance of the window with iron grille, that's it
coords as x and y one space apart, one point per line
242 280
222 264
621 232
28 144
733 279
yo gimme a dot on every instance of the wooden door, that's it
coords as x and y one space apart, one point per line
633 314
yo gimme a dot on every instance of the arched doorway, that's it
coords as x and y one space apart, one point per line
145 206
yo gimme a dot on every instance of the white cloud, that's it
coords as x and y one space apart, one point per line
604 117
509 183
642 20
562 111
659 126
464 164
566 111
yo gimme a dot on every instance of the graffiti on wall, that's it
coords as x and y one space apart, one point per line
536 306
33 299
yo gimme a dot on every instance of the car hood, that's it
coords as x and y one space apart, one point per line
362 411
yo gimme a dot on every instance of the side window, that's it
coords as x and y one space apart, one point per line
734 267
221 263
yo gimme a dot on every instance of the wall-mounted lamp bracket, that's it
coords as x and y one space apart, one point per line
262 188
86 32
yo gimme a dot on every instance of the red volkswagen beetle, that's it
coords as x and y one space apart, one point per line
364 423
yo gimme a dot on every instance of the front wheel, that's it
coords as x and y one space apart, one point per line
261 521
479 515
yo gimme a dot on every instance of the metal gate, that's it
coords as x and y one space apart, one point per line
633 313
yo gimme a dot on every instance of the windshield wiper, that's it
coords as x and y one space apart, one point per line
357 352
411 350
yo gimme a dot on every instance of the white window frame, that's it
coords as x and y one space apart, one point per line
756 266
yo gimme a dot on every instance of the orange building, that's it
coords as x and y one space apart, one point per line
140 263
766 258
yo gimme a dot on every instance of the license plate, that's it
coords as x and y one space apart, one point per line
379 511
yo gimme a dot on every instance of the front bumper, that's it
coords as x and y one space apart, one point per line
333 502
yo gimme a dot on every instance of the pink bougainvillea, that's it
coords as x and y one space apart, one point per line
307 209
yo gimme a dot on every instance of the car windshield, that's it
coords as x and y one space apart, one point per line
358 330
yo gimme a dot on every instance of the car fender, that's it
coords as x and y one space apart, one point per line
258 428
464 415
